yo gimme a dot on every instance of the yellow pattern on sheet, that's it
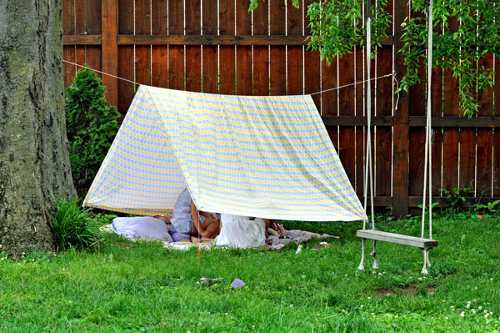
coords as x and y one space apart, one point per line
267 157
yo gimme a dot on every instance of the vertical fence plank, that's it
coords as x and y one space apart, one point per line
93 20
359 111
126 17
126 71
417 135
485 136
383 158
142 17
329 84
93 58
70 69
278 70
295 64
210 66
467 158
80 56
347 148
468 154
450 135
496 143
176 67
193 53
69 17
227 71
401 119
437 133
125 55
312 64
294 22
68 51
261 53
80 17
329 98
277 61
143 52
243 53
159 64
109 53
159 12
385 135
176 52
312 83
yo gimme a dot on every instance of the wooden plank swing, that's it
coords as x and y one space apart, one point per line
425 244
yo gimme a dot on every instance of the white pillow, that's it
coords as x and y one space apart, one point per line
141 227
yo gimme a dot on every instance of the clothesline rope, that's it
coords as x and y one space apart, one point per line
393 74
95 70
355 83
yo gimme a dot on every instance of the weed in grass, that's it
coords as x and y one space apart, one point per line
74 226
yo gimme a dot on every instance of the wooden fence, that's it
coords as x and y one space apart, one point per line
217 46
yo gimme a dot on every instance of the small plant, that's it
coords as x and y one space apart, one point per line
74 226
92 126
434 204
457 201
491 207
102 219
386 216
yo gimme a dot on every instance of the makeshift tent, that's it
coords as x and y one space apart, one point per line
268 157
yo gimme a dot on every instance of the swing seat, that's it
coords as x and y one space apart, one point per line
423 243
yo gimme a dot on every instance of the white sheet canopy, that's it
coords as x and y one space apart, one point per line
268 157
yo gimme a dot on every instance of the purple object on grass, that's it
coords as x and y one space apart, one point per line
290 234
237 283
178 236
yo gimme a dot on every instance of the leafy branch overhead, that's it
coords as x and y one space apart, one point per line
338 26
464 32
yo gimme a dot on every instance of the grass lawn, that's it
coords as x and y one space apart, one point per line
129 287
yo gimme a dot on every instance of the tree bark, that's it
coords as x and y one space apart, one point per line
34 162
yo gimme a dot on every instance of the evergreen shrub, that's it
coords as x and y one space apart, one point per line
91 125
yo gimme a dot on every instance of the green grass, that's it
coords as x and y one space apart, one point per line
133 287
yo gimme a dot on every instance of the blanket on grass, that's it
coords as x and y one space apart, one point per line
149 228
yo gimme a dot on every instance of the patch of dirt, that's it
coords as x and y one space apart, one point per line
410 291
122 244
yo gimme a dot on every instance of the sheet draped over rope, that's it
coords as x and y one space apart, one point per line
268 157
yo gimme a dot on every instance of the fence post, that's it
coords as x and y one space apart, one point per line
401 120
110 49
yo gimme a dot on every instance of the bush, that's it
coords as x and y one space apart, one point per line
91 125
74 226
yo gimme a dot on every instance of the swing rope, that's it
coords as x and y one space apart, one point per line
368 98
428 145
368 159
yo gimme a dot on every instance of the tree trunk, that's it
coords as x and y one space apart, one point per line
34 162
